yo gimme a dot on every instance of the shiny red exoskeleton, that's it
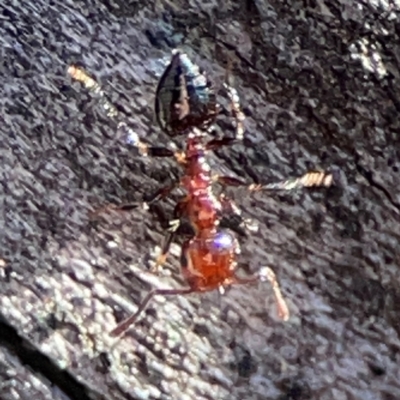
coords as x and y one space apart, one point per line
209 257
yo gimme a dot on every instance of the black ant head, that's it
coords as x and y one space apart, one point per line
185 98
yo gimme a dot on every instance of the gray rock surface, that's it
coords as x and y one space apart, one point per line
320 87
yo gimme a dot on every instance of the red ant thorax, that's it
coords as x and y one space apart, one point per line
202 208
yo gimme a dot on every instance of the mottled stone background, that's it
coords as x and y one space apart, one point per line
319 82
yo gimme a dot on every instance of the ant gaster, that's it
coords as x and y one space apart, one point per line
185 105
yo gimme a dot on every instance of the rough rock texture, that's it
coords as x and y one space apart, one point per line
320 86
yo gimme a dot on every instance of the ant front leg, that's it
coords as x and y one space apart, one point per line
145 149
266 274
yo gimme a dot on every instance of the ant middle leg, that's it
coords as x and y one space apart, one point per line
159 194
174 225
229 206
215 144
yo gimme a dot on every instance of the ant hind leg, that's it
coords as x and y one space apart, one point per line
264 274
126 323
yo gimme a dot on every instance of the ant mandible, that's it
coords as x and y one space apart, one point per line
186 105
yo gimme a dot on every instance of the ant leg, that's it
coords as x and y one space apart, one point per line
229 206
215 144
264 274
156 196
89 83
173 227
126 323
236 111
111 110
312 179
229 181
162 258
162 193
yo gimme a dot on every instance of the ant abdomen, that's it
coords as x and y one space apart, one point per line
184 97
209 261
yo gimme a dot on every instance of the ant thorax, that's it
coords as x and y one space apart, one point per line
203 208
203 212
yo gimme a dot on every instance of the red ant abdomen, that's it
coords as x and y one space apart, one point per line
208 261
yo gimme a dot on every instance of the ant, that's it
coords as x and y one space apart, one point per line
185 104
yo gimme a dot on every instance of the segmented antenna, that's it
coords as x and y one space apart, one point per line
308 180
89 83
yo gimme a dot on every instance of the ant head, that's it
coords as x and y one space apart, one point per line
185 98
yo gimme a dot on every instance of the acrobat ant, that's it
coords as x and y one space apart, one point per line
186 105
